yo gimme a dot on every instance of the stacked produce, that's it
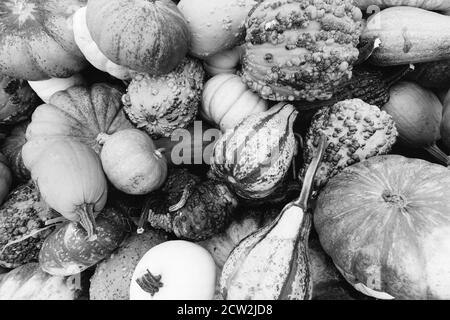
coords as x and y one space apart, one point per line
224 149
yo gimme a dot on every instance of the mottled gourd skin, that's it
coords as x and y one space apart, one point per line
36 40
22 213
206 210
300 49
255 156
355 131
12 150
385 222
162 104
17 100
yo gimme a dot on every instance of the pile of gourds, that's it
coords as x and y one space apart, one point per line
224 149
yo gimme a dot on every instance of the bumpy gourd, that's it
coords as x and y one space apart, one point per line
162 104
300 49
255 157
355 130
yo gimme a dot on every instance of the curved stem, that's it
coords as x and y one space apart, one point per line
87 220
102 138
438 154
150 283
186 194
143 219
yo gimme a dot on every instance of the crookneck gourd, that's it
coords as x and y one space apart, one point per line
301 49
189 207
273 262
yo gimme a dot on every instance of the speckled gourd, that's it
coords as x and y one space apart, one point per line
300 49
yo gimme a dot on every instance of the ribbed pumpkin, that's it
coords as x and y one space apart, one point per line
227 101
68 251
301 49
255 157
146 36
70 178
12 150
81 114
36 40
385 222
17 100
5 178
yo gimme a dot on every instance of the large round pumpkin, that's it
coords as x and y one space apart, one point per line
146 36
36 40
385 222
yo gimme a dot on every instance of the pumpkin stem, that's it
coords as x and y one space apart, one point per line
308 180
186 194
150 283
438 154
397 76
102 138
142 220
87 220
159 152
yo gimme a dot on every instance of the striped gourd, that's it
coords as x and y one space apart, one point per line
255 156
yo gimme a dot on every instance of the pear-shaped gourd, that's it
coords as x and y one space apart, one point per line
273 263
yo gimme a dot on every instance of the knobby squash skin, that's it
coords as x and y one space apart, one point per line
36 42
145 36
385 222
68 251
404 40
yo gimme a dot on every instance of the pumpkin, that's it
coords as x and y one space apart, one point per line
174 270
227 101
436 5
417 113
112 277
131 162
91 51
189 207
24 225
162 104
301 49
29 282
81 114
405 41
12 150
17 100
46 88
36 40
254 158
68 250
145 36
223 62
215 25
5 178
70 179
385 223
273 262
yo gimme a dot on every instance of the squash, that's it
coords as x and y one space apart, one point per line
417 113
70 179
355 130
29 282
68 250
432 75
404 40
145 36
174 270
227 101
215 25
131 162
37 41
223 62
385 223
5 178
273 262
81 114
189 207
254 158
112 277
435 5
12 150
162 104
17 100
91 51
24 226
297 50
46 88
